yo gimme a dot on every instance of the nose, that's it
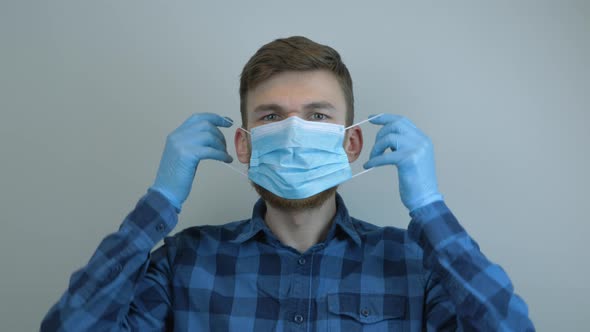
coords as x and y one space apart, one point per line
294 113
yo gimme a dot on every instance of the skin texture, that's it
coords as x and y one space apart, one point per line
312 96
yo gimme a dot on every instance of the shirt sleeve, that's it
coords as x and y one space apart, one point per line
122 287
465 290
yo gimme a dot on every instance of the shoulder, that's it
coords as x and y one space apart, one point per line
393 239
392 249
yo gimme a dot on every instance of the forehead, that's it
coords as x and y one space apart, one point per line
293 89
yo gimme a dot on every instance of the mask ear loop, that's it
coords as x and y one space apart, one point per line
235 169
367 120
361 173
358 124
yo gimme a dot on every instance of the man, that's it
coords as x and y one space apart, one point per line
300 263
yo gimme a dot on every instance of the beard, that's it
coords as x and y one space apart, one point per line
294 205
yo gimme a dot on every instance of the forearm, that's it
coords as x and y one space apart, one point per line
480 291
99 294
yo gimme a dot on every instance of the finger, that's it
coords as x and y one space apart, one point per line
202 128
383 118
408 122
206 140
391 158
204 153
401 126
215 119
392 141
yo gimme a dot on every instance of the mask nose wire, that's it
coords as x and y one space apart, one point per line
354 125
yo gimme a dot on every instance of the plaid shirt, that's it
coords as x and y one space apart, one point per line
239 277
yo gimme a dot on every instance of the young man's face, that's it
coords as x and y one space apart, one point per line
310 95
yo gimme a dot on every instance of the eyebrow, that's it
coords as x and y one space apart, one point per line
323 105
268 107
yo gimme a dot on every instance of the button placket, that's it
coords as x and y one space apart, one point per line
301 291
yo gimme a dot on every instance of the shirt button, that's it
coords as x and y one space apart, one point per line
365 312
298 319
160 227
301 261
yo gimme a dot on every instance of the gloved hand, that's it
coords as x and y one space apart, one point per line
198 138
412 152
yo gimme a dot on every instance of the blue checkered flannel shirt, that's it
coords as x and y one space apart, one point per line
239 277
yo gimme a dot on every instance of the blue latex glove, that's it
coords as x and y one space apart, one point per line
198 138
413 154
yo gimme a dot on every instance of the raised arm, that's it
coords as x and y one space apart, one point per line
121 287
99 295
465 290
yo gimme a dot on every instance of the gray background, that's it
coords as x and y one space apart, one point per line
90 89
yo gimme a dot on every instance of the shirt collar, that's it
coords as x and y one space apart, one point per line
342 223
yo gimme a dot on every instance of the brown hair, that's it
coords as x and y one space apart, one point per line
294 54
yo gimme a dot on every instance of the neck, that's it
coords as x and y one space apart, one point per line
301 229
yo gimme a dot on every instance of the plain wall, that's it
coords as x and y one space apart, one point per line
90 89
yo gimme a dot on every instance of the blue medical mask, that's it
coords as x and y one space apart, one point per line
296 159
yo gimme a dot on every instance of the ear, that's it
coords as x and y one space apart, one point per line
242 144
353 143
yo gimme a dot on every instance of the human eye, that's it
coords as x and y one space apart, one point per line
319 117
270 117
